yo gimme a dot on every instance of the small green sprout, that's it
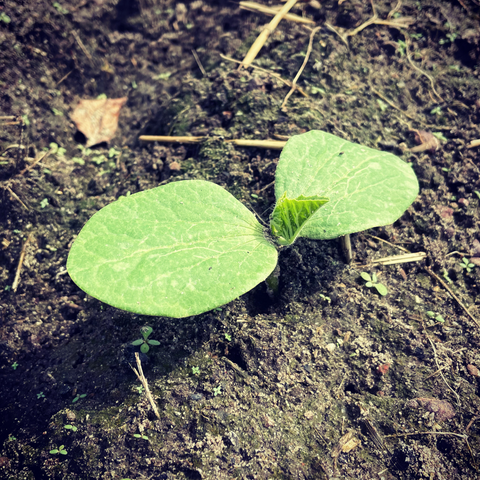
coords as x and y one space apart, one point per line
195 370
14 365
60 9
436 316
436 111
446 277
228 337
137 435
40 395
217 390
60 449
44 203
56 112
325 298
372 281
78 396
467 265
145 342
73 428
139 389
4 18
11 438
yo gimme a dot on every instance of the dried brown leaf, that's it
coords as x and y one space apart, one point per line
98 119
426 142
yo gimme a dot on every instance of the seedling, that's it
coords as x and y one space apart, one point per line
145 342
189 246
217 390
139 389
467 265
372 281
228 337
195 370
60 449
14 365
436 316
137 435
40 395
78 396
73 428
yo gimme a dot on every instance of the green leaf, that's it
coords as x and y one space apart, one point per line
366 276
176 250
144 348
154 342
291 215
381 289
138 342
366 188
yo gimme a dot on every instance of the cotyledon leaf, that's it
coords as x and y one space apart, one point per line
176 250
366 188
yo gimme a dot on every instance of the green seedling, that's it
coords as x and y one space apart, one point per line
139 389
40 395
78 396
4 18
372 281
145 342
190 246
217 390
446 277
435 316
467 265
14 365
137 435
73 428
228 337
325 298
195 370
60 449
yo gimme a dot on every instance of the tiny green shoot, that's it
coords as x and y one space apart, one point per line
78 396
139 389
217 390
60 449
467 265
190 246
40 395
195 370
435 316
4 18
446 277
14 365
372 281
138 435
73 428
228 337
145 342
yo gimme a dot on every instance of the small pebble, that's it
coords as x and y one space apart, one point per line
473 370
330 347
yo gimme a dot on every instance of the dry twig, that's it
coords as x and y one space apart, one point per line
305 60
268 72
143 380
16 280
257 7
262 38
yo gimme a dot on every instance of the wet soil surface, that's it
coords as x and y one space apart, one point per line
327 380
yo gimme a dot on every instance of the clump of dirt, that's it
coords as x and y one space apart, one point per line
263 387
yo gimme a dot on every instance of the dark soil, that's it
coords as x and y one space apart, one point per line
261 388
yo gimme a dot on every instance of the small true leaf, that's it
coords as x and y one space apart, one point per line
138 342
154 342
144 348
291 215
176 250
366 188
